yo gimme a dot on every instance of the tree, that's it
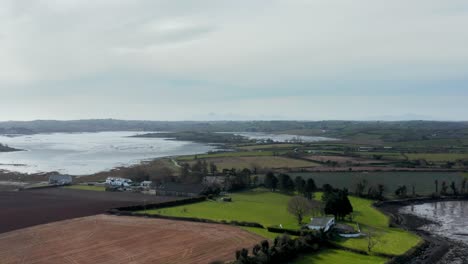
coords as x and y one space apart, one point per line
185 170
401 191
443 188
310 188
463 186
337 203
213 168
271 181
360 187
300 184
436 182
380 190
299 207
285 184
454 188
373 238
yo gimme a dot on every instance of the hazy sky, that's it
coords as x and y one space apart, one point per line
210 60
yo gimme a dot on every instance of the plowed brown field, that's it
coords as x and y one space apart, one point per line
120 239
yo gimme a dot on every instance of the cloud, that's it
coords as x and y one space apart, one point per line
198 52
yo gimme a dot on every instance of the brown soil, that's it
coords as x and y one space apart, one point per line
22 209
120 239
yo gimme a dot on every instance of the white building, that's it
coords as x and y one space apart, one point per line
321 223
118 182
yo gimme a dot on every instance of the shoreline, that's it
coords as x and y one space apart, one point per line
435 249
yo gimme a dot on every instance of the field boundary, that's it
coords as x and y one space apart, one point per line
131 211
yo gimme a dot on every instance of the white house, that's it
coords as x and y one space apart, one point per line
319 223
60 179
119 182
146 184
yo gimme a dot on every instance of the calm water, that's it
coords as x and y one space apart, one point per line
85 153
281 137
452 218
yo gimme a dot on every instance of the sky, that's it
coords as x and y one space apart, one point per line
234 60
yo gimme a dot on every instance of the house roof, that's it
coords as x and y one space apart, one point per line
321 221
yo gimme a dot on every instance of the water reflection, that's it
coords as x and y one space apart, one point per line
452 218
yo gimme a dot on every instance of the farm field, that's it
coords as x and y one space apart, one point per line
259 162
261 206
269 209
86 188
269 146
423 181
435 157
335 256
226 154
120 239
40 206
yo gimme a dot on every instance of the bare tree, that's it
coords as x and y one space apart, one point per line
299 207
373 238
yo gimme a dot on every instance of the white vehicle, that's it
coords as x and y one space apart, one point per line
118 182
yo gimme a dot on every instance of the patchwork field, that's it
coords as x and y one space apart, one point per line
33 207
259 162
118 239
438 157
268 208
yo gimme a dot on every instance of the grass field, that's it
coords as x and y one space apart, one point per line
335 256
269 146
269 209
86 188
423 181
259 162
392 240
438 157
226 154
261 206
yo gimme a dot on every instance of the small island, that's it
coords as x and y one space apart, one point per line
200 137
6 148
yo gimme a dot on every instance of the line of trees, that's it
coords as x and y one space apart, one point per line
282 250
284 183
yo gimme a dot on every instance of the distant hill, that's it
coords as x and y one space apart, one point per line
391 131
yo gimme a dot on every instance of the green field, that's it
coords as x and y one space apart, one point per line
269 146
393 241
423 181
261 206
226 154
335 256
438 157
268 209
86 187
259 162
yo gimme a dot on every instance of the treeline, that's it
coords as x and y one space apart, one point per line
282 250
284 183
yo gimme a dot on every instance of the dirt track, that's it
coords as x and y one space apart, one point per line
33 207
119 239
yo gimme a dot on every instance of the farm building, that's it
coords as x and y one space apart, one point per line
60 179
321 223
178 189
118 182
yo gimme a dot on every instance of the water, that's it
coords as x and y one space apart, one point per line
452 218
281 137
87 153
